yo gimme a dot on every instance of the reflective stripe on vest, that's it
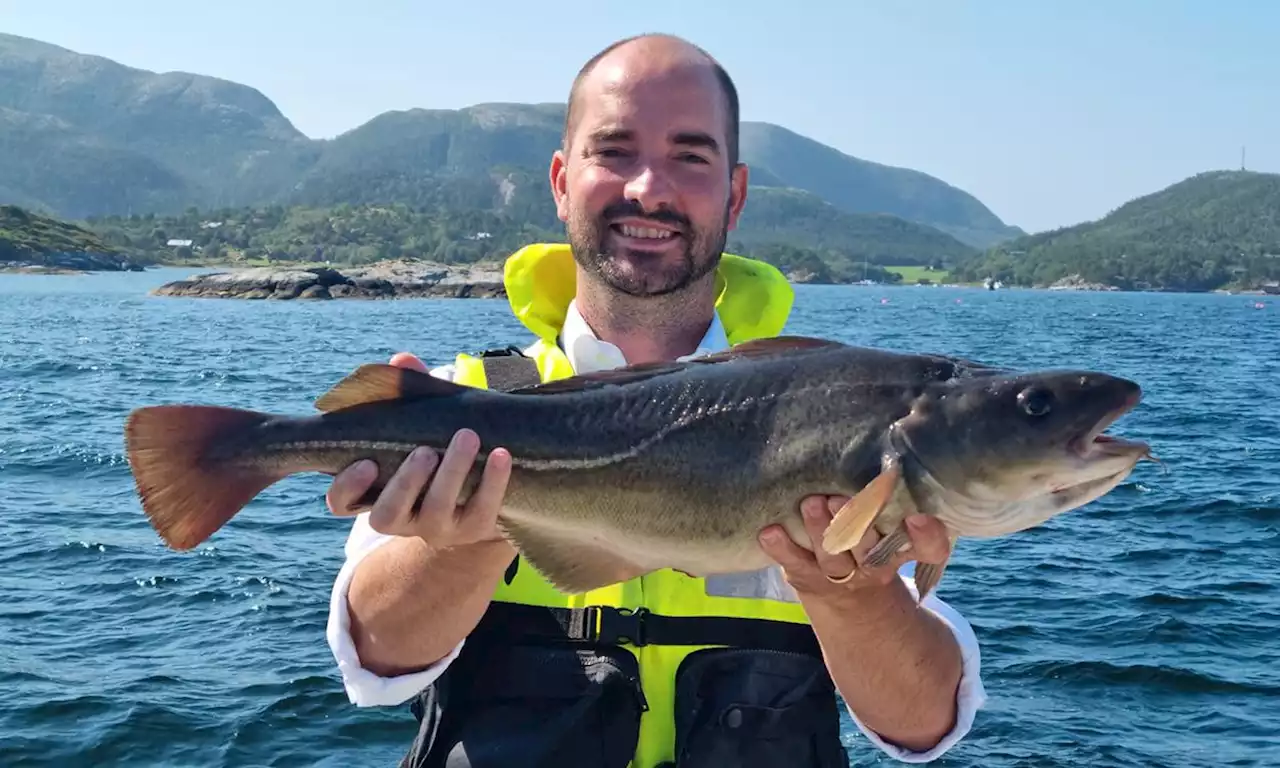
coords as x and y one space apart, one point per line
753 300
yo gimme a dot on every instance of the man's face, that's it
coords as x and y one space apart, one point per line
645 190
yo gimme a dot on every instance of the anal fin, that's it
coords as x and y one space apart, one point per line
928 574
886 548
377 382
570 564
927 577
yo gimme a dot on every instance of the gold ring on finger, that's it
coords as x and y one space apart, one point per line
843 579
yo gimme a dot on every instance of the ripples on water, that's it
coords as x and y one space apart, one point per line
1140 631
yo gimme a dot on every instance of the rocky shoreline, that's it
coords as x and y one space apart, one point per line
69 264
1078 283
386 280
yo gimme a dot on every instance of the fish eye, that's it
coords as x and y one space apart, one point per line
1035 401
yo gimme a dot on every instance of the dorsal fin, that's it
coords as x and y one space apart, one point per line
376 382
757 348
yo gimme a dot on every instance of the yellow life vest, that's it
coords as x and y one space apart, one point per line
753 300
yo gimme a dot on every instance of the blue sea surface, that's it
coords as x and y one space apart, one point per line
1142 630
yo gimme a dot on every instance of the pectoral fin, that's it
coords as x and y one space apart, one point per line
570 564
850 524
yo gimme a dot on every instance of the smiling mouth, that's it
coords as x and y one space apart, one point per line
637 232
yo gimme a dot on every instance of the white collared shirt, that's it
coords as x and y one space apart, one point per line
587 353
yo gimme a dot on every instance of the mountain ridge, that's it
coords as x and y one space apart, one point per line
1209 231
176 139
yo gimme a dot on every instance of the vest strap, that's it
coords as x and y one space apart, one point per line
508 368
607 625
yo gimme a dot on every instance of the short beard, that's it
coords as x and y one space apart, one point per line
699 257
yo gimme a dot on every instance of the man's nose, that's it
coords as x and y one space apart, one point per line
650 188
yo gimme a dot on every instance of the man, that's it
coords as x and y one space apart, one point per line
512 672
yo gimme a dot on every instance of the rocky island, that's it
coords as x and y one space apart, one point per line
384 280
39 244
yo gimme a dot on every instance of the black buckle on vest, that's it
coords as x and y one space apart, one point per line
508 351
619 625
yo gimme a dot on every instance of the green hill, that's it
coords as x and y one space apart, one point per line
780 157
29 239
360 234
85 136
497 154
776 215
344 234
1213 230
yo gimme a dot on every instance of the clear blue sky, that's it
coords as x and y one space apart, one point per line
1049 112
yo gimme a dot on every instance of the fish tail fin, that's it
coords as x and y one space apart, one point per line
187 496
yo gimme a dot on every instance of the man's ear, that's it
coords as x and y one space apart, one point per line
737 193
560 184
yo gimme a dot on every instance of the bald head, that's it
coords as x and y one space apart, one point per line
656 54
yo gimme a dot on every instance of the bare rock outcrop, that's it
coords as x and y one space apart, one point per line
1078 283
384 280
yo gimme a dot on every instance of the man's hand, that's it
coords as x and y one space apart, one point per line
807 571
440 520
895 663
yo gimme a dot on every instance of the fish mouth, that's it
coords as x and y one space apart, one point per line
1096 444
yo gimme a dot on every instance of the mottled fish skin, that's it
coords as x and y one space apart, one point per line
677 465
699 455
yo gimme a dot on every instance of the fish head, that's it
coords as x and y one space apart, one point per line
998 454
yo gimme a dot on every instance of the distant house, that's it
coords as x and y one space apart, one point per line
179 243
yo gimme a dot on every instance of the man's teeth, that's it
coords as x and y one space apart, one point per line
646 232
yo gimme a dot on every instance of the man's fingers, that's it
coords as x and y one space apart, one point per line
817 516
929 540
392 512
348 486
406 360
459 457
777 544
481 513
869 541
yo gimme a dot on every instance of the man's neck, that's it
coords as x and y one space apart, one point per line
648 329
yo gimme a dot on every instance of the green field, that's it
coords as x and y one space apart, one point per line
913 275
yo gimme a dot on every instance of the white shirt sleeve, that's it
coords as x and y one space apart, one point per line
364 688
970 696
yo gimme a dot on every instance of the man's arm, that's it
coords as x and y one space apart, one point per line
366 674
897 665
416 581
909 676
410 606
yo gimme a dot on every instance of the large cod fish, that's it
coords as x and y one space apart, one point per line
681 465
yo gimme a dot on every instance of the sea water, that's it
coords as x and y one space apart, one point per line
1142 630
